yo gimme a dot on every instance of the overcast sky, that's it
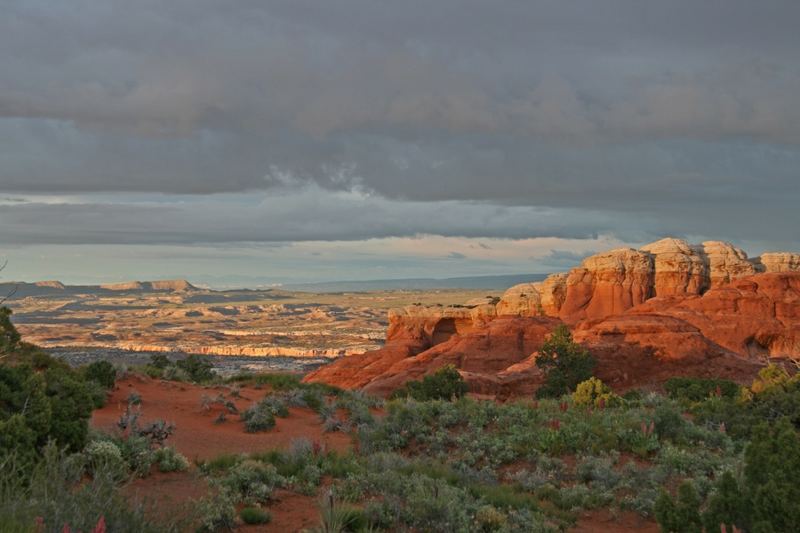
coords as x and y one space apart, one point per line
272 141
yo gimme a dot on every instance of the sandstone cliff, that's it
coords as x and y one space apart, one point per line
669 308
611 282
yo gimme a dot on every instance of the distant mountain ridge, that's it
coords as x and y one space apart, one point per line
499 282
54 288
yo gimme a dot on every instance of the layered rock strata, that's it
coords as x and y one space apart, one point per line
669 308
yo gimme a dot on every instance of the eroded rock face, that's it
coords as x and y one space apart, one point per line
755 317
543 298
668 309
725 262
612 282
607 284
778 262
678 268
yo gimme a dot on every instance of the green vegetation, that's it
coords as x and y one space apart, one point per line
255 515
197 367
595 393
101 372
55 475
564 362
444 384
430 459
696 389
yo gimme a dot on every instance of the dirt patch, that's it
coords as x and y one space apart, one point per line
196 435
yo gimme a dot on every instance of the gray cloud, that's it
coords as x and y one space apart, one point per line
623 116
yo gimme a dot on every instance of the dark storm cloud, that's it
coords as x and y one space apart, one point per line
680 113
311 214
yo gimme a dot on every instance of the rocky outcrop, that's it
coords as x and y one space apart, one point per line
611 282
725 262
778 262
678 268
669 308
607 284
543 298
756 317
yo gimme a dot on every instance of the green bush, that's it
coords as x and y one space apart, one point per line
258 417
55 403
444 384
9 336
104 454
564 362
595 393
681 515
168 459
197 367
160 361
56 492
697 389
255 515
252 481
101 372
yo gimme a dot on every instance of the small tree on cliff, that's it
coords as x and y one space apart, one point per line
564 362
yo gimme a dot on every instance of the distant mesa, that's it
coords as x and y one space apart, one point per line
51 285
48 288
170 285
669 308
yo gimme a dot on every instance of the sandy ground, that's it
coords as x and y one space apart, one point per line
198 437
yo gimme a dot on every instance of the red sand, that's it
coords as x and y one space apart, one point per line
196 435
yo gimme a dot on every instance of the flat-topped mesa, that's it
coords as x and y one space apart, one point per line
612 282
167 285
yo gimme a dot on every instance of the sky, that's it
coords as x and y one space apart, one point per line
276 141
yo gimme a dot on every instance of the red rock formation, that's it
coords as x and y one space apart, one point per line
667 309
678 268
757 316
607 284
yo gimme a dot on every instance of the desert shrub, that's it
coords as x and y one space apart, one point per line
197 367
564 362
104 454
252 481
258 417
71 405
697 389
161 361
594 392
276 405
726 505
444 384
772 377
43 399
255 515
168 459
669 422
9 336
681 515
338 517
101 372
216 513
174 373
56 492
